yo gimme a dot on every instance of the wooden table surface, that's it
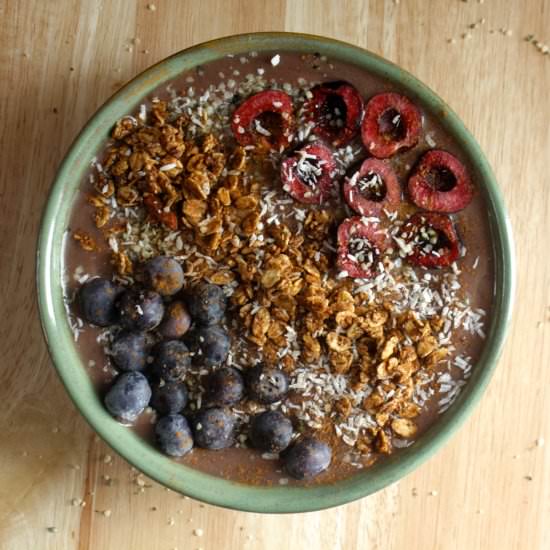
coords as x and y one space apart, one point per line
61 488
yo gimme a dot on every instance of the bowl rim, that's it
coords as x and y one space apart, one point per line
59 339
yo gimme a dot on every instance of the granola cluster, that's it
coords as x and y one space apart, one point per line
283 283
390 355
155 167
288 303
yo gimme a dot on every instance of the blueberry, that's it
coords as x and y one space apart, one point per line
97 301
169 397
128 396
210 345
176 321
163 275
140 309
224 387
213 428
270 431
266 384
207 304
307 458
129 351
170 360
174 435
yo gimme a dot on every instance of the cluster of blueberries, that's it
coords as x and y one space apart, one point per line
188 330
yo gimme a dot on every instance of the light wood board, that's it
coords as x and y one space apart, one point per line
60 60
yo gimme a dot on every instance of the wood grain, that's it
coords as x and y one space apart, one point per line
59 61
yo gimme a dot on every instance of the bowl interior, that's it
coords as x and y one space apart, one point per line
59 337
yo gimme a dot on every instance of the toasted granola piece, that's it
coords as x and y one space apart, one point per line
338 342
340 361
404 427
85 241
383 443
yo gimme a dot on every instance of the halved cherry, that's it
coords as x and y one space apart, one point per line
266 119
336 108
372 188
360 247
308 174
429 239
391 122
441 183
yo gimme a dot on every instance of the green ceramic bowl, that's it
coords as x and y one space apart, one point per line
73 373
